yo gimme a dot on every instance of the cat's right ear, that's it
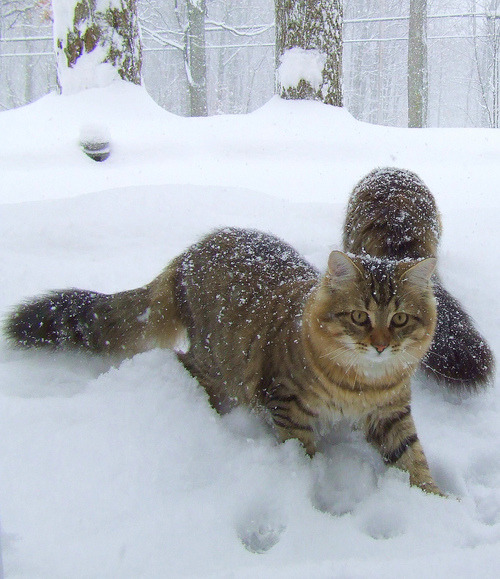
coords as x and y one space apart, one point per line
341 267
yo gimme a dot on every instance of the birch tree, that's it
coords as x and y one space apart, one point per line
309 49
96 41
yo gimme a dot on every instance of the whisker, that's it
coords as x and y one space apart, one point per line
434 371
438 355
417 360
338 352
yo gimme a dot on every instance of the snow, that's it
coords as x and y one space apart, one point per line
89 71
125 471
298 64
64 14
94 133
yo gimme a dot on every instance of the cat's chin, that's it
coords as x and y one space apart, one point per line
375 366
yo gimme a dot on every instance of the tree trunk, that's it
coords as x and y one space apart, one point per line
195 57
96 42
29 64
309 49
418 87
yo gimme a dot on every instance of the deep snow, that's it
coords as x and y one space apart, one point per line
126 471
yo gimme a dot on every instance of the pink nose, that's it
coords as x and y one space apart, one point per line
380 339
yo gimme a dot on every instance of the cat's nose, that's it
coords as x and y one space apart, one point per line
380 339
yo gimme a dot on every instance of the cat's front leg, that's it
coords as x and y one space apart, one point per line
304 434
393 432
291 418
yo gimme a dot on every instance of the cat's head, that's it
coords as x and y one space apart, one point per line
374 318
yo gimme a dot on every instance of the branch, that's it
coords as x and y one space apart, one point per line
253 31
160 39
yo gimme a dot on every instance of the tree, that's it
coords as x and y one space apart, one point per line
418 86
195 57
96 41
309 49
487 60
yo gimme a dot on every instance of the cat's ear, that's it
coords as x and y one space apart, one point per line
420 273
341 267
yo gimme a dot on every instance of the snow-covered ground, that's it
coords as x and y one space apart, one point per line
126 471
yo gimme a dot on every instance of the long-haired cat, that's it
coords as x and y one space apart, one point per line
392 214
266 330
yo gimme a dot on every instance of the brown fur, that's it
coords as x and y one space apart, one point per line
392 214
267 331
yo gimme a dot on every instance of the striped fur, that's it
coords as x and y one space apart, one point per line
267 331
392 214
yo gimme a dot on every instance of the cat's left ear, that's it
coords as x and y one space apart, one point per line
420 274
341 267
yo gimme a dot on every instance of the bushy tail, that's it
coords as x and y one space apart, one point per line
459 357
124 323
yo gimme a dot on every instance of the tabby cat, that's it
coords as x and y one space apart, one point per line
392 214
266 330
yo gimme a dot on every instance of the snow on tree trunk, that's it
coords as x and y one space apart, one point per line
195 57
96 41
418 86
309 49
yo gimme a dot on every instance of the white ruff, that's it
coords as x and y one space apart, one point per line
375 366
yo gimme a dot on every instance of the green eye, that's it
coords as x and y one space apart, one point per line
359 317
400 319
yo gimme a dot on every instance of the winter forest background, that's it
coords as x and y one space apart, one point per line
463 39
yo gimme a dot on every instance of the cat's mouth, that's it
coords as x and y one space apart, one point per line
393 360
378 357
376 364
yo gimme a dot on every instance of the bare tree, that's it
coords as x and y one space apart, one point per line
309 49
195 57
418 86
493 20
96 34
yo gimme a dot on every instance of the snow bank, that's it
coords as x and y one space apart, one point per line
291 150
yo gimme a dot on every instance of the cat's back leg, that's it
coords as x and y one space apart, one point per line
217 398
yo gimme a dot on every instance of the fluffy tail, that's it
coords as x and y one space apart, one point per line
459 357
124 323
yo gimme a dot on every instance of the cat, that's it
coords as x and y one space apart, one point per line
267 331
392 214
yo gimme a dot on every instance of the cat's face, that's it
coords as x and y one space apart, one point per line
376 317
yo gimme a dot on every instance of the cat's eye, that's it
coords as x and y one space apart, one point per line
359 317
400 319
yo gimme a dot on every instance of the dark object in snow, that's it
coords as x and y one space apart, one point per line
97 151
392 214
95 141
267 331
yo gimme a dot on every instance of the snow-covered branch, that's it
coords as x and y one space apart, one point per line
248 31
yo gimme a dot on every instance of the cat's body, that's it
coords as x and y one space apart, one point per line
267 331
392 214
